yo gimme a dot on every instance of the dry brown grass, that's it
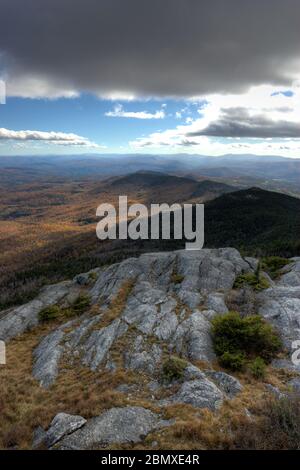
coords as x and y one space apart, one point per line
180 307
117 304
25 405
228 428
242 300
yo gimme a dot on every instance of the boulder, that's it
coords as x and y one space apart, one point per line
291 274
115 426
62 425
215 301
200 393
280 305
227 383
192 372
39 437
275 391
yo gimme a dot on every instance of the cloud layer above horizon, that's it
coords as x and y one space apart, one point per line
240 57
265 121
58 138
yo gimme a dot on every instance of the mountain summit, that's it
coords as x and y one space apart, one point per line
137 336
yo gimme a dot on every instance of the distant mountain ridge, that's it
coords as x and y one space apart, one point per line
270 172
253 220
168 188
150 178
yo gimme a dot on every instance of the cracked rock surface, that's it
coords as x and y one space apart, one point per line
164 314
117 425
144 310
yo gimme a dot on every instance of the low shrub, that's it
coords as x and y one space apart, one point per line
257 368
255 280
238 340
273 265
284 416
81 304
173 369
49 313
233 361
277 429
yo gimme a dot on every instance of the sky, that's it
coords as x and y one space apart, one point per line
136 76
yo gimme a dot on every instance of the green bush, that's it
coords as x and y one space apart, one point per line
81 304
255 280
257 368
67 312
173 369
238 340
233 361
273 265
49 313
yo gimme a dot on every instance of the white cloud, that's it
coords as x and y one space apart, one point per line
259 104
58 138
119 111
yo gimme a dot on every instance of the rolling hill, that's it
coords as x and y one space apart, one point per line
256 221
158 187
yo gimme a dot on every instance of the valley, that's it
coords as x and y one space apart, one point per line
47 226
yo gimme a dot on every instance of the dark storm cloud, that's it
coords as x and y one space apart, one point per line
238 122
150 47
